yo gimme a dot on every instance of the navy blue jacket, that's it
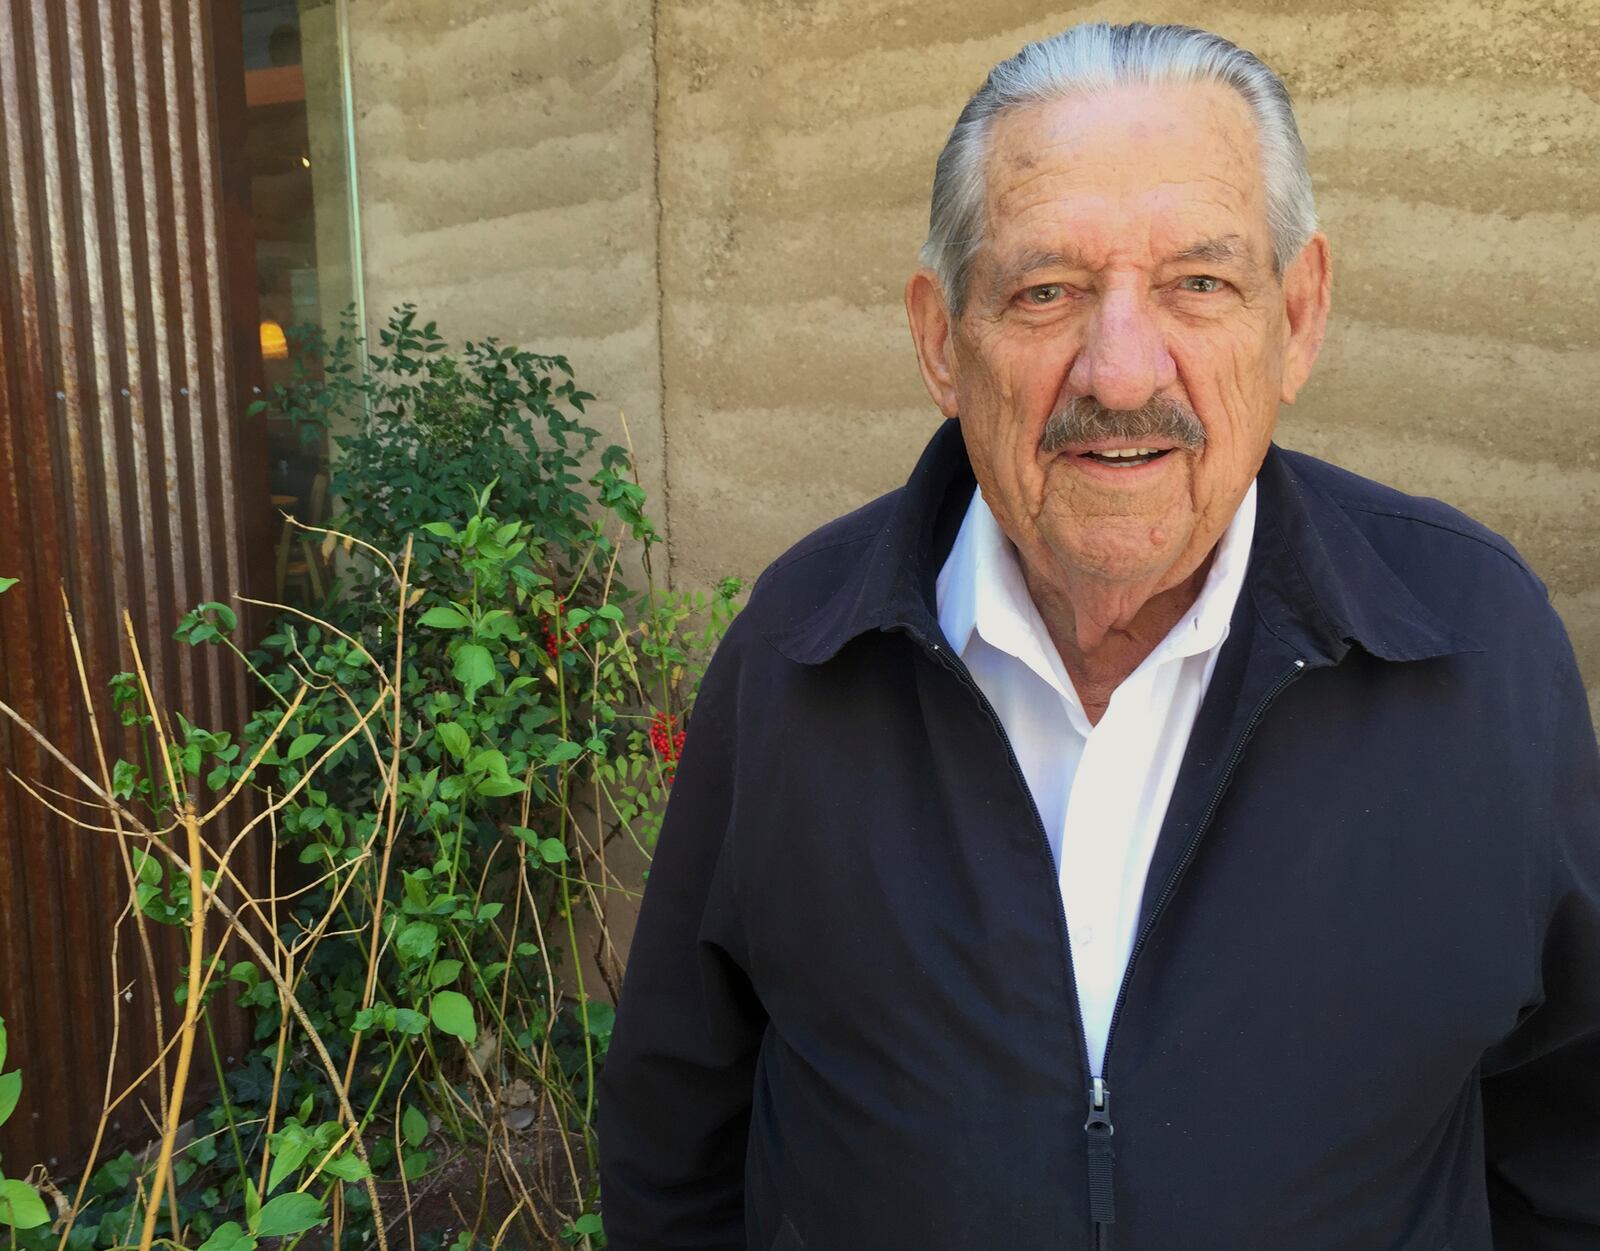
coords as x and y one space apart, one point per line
1363 1011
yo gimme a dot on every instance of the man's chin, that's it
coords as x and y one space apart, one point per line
1128 550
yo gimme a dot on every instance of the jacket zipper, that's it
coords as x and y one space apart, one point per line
1098 1126
954 665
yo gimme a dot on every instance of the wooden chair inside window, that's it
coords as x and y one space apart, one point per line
300 551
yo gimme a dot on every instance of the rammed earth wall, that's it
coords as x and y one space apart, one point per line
712 205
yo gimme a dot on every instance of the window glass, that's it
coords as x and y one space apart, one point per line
297 152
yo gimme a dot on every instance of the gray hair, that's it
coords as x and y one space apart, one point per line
1095 57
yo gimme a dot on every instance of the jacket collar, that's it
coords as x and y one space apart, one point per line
1317 581
1314 578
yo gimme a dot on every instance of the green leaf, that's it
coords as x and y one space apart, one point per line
498 623
444 618
409 1021
302 746
452 1012
494 787
444 972
562 752
474 668
228 1237
416 1164
252 1202
601 1017
417 941
2 1043
20 1206
293 1213
443 529
610 612
552 851
488 760
414 1126
588 1224
347 1167
146 867
289 1151
10 1092
227 620
115 1174
455 739
416 887
7 583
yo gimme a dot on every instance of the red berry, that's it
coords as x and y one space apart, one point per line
666 739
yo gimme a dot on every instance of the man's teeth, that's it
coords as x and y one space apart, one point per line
1117 453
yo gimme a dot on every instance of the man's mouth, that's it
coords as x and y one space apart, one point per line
1126 457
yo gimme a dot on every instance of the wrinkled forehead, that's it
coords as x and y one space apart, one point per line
1128 167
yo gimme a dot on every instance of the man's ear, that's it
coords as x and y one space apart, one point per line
1307 295
930 333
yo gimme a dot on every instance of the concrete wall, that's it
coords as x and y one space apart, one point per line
508 183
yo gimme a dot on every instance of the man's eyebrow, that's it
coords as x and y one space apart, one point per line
1032 261
1219 251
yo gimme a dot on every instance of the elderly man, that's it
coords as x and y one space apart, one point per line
1127 834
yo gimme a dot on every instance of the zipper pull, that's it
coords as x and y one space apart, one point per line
1102 1160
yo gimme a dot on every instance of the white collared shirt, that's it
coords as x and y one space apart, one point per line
1102 790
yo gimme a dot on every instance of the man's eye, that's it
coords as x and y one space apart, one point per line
1049 293
1203 283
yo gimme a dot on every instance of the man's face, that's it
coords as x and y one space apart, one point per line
1128 260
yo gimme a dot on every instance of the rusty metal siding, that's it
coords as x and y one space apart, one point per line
119 433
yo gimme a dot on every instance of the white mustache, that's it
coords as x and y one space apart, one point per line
1083 419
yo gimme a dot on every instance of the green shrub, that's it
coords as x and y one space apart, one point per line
451 754
21 1208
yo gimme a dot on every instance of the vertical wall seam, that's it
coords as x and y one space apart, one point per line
661 300
150 438
177 407
347 106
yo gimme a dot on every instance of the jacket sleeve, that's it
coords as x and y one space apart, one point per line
1541 1086
675 1093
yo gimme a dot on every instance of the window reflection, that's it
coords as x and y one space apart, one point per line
295 141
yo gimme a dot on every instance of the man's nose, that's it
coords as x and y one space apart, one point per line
1124 359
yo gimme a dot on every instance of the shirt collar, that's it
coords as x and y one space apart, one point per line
981 589
1206 624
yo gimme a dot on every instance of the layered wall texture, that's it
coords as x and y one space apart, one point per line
506 166
520 162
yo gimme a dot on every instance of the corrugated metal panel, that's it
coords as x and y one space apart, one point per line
118 431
